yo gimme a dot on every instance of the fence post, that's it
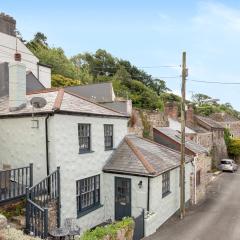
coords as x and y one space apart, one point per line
27 211
45 231
59 198
31 174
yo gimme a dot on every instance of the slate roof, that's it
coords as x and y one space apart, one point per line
138 156
59 100
99 92
210 122
223 117
176 136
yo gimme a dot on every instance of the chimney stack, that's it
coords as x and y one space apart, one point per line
17 86
171 110
7 24
190 114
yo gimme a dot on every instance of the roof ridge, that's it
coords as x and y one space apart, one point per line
86 99
58 101
43 90
140 156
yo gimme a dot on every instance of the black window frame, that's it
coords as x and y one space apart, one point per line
107 137
165 184
82 138
82 189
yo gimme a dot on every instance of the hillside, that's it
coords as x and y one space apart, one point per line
128 81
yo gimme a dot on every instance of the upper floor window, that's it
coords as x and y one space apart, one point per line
108 136
84 134
165 184
88 193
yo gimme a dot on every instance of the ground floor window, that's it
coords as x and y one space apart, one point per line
198 177
165 184
88 193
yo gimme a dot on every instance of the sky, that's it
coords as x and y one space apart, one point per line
149 34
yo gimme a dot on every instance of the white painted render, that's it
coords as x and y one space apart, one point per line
64 152
160 208
8 49
20 144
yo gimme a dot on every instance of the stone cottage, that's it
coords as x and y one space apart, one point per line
202 161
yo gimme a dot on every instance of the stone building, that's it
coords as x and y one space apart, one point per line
202 161
227 121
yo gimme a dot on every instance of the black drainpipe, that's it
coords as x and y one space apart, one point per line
46 135
148 195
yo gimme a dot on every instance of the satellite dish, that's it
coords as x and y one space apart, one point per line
38 102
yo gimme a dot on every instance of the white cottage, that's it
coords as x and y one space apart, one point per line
142 175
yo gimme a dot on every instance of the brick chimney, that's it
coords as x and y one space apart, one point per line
190 114
7 24
17 86
171 110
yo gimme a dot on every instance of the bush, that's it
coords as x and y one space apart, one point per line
109 230
14 234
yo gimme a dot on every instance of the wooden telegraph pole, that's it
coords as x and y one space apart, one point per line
183 123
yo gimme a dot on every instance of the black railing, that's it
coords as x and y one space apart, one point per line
39 197
13 182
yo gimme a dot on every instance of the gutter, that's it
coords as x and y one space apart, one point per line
46 142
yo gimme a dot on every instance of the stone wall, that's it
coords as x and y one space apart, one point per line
52 214
153 118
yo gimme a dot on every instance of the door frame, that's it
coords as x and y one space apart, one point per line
130 194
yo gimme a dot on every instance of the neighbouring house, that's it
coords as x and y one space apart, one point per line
202 161
103 93
10 45
228 121
59 129
142 175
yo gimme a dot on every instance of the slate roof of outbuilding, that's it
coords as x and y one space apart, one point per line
138 156
210 122
223 117
189 144
59 100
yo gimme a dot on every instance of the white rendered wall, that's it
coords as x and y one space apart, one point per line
8 49
20 144
160 208
75 166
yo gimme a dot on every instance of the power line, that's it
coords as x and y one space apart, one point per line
215 82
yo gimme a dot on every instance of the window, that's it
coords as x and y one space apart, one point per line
165 184
198 177
84 137
88 193
108 136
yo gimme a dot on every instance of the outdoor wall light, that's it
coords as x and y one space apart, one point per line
140 184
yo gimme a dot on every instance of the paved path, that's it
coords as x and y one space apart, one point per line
217 219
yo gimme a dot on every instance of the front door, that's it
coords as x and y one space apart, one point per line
122 198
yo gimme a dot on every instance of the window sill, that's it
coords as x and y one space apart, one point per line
85 152
83 213
109 149
166 194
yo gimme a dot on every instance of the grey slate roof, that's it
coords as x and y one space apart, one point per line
176 136
176 125
60 101
136 155
210 122
99 92
223 117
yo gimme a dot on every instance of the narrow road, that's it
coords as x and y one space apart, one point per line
218 218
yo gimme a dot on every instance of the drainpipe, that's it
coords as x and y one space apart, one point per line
195 180
148 195
46 136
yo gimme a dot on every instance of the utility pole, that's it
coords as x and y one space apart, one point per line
183 123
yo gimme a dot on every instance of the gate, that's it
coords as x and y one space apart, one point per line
139 227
